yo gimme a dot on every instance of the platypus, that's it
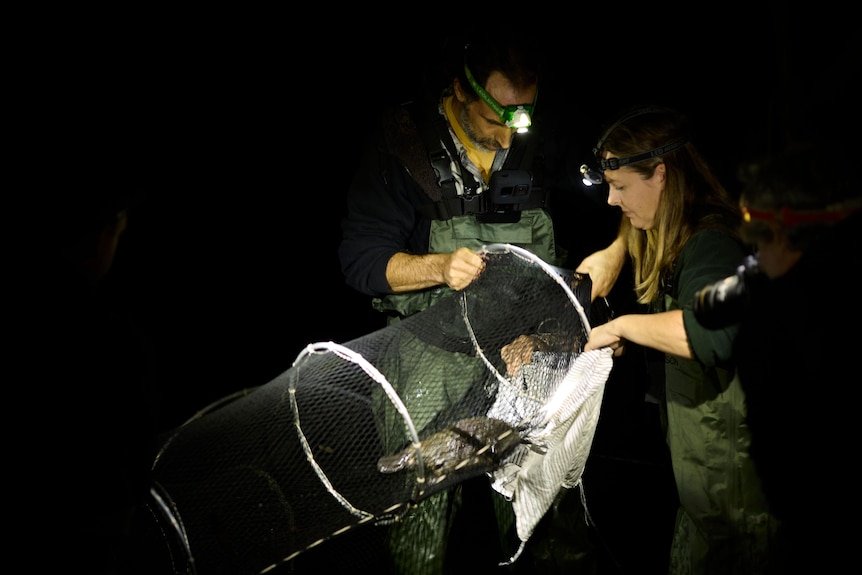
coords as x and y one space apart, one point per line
466 448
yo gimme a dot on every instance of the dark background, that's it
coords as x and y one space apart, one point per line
242 132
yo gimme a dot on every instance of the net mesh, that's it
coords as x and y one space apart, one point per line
362 435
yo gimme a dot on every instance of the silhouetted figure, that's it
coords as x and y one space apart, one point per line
91 374
797 344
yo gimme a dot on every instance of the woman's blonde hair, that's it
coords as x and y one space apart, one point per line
693 199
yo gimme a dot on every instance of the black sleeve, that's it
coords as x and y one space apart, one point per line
381 220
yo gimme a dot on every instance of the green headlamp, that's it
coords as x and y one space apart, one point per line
516 117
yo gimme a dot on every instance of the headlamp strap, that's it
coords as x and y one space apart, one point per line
431 129
486 97
791 218
617 163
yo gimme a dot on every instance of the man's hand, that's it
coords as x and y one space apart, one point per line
463 267
411 272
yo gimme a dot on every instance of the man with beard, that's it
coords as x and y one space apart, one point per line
442 176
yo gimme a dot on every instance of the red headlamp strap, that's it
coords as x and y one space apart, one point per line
791 218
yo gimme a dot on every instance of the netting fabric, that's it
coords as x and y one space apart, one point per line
489 381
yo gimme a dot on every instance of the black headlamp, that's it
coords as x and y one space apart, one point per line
593 175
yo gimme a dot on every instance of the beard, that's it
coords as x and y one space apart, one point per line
483 144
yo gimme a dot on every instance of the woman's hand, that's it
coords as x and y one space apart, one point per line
605 335
604 266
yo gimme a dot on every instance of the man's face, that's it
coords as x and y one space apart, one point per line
775 256
481 124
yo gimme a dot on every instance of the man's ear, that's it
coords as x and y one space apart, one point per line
459 90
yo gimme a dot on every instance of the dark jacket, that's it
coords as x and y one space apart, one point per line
391 196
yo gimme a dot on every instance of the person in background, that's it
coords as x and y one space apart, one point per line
453 170
793 302
94 372
680 229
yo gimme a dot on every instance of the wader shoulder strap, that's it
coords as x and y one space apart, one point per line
416 135
403 140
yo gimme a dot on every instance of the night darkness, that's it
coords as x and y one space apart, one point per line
239 133
243 143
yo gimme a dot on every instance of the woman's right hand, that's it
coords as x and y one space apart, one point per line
604 267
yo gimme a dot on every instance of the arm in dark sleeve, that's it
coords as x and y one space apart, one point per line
709 256
381 220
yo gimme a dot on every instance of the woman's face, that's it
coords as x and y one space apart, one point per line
637 198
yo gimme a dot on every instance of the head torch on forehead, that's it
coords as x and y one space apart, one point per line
517 117
593 175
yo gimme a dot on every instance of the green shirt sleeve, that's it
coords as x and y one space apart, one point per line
709 256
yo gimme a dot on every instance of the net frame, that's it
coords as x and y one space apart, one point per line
303 400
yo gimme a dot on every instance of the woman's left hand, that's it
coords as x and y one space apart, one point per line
604 335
